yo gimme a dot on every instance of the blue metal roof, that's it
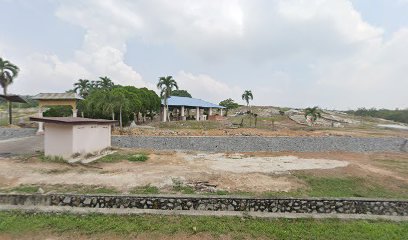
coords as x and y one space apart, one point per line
190 102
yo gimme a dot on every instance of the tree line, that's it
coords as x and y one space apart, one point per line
107 100
398 115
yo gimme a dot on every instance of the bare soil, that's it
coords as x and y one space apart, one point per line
242 172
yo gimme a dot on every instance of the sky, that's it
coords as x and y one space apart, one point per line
336 54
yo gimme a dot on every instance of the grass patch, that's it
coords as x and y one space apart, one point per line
24 189
54 159
120 156
179 186
18 224
79 189
147 189
204 125
343 187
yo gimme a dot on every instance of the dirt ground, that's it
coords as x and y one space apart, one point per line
234 172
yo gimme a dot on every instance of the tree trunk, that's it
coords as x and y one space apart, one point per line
120 117
10 112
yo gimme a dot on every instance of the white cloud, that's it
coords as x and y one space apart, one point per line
315 52
205 87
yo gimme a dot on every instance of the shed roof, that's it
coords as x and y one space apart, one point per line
57 96
72 120
190 102
13 98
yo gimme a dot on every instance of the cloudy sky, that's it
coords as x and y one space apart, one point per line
338 54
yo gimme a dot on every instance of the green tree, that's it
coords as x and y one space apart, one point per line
228 104
166 85
247 96
82 87
105 83
314 113
181 93
8 72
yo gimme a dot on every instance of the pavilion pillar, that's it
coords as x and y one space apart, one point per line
221 111
40 124
74 112
164 114
197 114
183 118
210 112
188 112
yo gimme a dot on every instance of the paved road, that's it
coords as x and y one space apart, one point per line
23 141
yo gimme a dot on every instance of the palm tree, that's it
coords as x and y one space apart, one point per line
313 112
247 95
82 87
166 85
105 83
8 72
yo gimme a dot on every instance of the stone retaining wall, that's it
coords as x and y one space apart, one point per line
213 203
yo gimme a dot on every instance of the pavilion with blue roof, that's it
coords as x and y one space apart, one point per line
181 104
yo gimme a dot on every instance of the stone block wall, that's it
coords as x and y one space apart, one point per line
217 203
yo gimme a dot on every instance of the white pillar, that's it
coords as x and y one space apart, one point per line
197 114
210 113
40 124
183 118
221 111
164 114
74 112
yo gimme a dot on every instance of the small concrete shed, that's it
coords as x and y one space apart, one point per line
66 136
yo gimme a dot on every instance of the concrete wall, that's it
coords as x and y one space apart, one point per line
58 140
66 140
91 138
215 203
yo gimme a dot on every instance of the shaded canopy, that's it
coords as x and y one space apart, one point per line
190 102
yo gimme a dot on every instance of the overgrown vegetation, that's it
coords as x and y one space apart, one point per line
120 156
398 115
345 187
59 188
147 189
21 225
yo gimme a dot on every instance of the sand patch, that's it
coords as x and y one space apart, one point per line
239 163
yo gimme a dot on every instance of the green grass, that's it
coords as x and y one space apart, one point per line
79 189
54 159
147 189
204 125
120 156
344 187
18 224
24 189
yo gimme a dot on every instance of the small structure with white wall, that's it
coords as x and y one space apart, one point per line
66 136
181 104
56 99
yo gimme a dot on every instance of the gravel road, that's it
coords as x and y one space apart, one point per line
7 133
251 144
241 144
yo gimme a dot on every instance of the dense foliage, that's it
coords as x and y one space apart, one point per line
58 111
123 103
228 104
395 115
180 93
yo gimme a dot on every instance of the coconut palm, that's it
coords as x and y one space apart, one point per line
166 85
314 113
247 95
82 87
105 83
8 72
